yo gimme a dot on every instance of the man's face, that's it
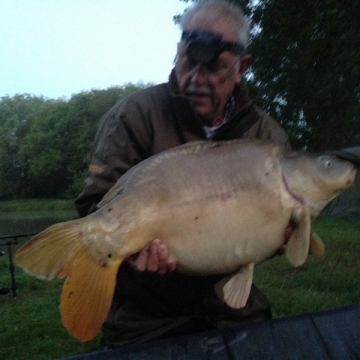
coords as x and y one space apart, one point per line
209 86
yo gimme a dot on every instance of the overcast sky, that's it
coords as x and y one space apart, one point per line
56 48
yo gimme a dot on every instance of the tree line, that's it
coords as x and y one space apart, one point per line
46 144
305 73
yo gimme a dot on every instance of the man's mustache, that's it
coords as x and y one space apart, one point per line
198 90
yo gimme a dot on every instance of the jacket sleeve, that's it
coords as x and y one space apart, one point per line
122 141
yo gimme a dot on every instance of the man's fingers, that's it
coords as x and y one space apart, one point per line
171 265
140 262
153 256
163 256
166 262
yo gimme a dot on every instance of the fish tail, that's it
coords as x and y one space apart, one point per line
60 251
50 253
87 295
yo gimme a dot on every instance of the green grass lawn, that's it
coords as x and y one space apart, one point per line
30 325
322 282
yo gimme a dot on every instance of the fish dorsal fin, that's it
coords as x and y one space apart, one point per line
234 289
297 248
317 247
129 180
87 295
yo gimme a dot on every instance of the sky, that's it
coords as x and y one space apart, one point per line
56 48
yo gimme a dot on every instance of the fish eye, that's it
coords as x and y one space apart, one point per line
326 163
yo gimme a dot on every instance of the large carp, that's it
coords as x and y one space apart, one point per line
220 207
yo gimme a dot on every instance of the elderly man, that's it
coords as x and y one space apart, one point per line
205 98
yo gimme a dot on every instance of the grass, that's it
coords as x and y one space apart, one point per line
322 282
30 325
35 205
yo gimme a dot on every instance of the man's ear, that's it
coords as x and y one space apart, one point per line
245 63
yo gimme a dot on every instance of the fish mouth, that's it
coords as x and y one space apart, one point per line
351 178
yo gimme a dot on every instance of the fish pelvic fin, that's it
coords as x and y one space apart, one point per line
87 295
297 248
50 253
234 289
317 247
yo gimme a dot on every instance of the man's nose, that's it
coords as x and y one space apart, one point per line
199 75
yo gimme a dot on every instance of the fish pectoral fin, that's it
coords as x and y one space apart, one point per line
87 295
297 248
317 247
234 289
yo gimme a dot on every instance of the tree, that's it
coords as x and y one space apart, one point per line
44 148
307 67
84 113
15 117
46 145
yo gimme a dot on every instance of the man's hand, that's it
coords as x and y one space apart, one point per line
154 257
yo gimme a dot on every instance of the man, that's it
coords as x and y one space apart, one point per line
205 98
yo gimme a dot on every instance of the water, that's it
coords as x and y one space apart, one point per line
35 221
15 223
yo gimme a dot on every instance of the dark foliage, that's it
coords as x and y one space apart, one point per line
45 144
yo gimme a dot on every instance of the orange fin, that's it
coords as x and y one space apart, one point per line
235 288
61 251
50 253
297 248
87 295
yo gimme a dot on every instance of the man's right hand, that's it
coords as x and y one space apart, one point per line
154 257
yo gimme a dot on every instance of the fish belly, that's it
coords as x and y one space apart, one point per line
215 236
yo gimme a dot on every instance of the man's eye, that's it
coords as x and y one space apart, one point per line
215 67
191 63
